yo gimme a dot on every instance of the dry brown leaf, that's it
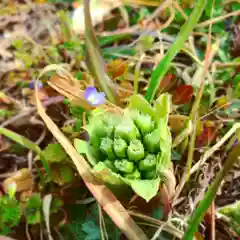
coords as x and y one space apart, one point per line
23 179
177 123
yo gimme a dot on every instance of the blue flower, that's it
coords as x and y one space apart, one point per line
31 84
93 97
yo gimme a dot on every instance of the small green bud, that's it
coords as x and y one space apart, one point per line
106 147
148 163
120 146
124 165
135 150
144 123
127 131
152 141
134 175
149 174
110 165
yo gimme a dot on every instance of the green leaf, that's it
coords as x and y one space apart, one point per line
56 204
21 140
54 152
165 63
140 103
235 6
146 189
26 143
10 213
92 230
33 209
83 147
105 40
84 223
18 44
5 113
61 173
232 211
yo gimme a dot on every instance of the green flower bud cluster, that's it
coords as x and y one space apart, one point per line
127 145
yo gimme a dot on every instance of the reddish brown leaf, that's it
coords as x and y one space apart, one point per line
167 83
183 94
207 135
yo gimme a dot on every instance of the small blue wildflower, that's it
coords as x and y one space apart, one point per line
93 97
39 84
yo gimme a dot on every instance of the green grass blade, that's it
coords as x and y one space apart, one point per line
95 60
26 143
165 63
211 193
21 140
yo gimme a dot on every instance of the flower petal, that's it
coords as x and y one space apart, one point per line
89 91
31 84
93 97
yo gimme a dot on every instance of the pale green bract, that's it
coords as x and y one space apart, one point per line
143 187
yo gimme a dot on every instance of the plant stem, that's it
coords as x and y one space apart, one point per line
95 60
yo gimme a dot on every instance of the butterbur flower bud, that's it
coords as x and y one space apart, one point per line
143 122
106 147
150 174
152 141
124 165
148 163
134 175
110 165
127 131
135 150
120 147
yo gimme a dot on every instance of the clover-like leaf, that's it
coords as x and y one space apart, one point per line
54 153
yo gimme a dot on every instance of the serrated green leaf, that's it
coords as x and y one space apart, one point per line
92 230
82 147
10 213
54 152
33 209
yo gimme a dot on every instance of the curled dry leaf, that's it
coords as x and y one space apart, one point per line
116 67
23 179
170 181
70 89
125 89
42 96
177 122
